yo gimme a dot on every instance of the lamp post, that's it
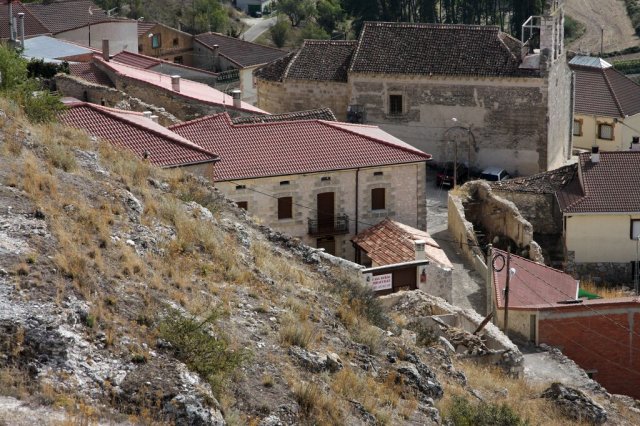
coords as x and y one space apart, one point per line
470 137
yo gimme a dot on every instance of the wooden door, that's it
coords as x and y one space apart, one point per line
326 211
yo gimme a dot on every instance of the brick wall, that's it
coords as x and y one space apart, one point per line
596 343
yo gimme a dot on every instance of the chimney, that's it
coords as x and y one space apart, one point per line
635 143
237 98
21 20
175 83
595 154
147 114
154 118
105 50
215 57
419 249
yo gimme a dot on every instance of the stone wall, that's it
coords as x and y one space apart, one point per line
405 199
299 95
558 87
102 95
611 273
541 210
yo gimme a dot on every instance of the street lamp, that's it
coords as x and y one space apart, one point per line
470 137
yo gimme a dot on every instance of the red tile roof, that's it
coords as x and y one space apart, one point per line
188 89
89 72
439 49
64 15
292 147
313 114
391 242
136 133
315 60
533 284
242 53
605 92
32 26
609 186
138 60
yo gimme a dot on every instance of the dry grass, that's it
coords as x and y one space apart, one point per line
316 406
604 292
294 332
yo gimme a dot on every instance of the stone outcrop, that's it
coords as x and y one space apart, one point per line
575 404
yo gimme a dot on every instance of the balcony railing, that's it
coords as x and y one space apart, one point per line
228 76
336 226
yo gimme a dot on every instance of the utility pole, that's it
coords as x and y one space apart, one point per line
506 294
601 40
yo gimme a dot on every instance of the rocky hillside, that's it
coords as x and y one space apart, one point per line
133 295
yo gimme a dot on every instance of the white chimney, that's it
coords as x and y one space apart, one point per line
595 154
635 143
237 98
154 118
21 19
175 83
105 50
419 249
147 114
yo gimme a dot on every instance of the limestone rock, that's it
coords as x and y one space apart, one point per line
575 404
316 361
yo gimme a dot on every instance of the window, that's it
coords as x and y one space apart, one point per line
175 42
378 173
325 178
378 199
284 182
577 127
285 208
239 187
155 41
605 131
243 205
395 104
178 60
635 229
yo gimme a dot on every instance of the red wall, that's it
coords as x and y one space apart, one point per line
595 342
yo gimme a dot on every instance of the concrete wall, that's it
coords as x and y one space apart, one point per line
203 57
121 35
193 74
298 95
173 43
405 199
249 91
439 282
519 324
603 339
621 133
558 87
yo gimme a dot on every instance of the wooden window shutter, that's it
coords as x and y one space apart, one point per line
285 210
378 199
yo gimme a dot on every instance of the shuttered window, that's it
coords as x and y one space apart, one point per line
285 208
378 199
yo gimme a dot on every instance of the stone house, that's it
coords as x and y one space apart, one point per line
396 250
251 7
141 136
320 181
545 307
607 106
83 22
512 101
601 216
164 42
220 53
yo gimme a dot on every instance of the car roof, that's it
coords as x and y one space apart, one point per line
492 170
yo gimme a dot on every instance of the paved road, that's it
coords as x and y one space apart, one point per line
257 26
468 286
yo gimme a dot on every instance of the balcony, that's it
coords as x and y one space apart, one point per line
329 226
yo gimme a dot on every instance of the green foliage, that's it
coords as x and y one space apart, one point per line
38 68
39 105
201 346
463 413
312 31
279 32
631 66
573 29
329 14
633 10
296 10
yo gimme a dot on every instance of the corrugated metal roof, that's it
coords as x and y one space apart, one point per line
47 48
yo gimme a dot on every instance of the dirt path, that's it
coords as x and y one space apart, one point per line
596 14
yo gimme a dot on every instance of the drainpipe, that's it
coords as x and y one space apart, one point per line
357 205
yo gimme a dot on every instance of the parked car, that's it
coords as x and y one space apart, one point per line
445 174
494 174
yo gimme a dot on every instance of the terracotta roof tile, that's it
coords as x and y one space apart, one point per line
135 60
540 183
314 114
439 49
89 72
291 147
391 242
605 92
32 26
316 60
611 185
533 284
64 15
240 52
136 133
189 89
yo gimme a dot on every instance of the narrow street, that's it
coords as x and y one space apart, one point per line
257 26
468 286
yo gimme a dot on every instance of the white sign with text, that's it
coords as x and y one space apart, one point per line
382 282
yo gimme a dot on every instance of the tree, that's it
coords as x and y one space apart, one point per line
313 31
296 10
329 13
279 32
206 15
